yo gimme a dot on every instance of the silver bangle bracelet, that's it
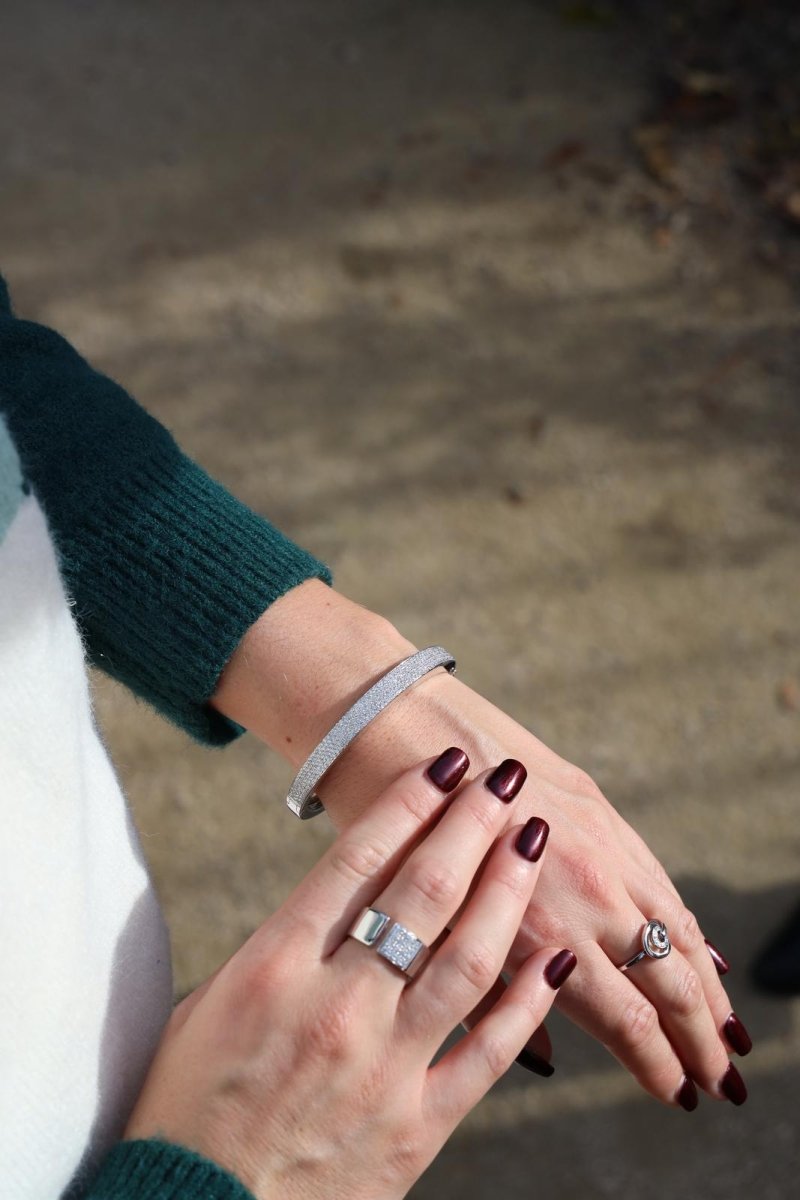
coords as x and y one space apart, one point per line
302 798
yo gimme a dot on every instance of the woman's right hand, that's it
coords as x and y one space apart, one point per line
303 1065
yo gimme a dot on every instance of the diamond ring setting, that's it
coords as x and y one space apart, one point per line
655 944
392 941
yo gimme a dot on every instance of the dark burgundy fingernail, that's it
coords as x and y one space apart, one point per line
559 969
737 1035
449 769
535 1062
507 779
687 1094
719 960
732 1086
533 839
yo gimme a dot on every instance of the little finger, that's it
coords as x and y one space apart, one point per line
464 1074
537 1053
605 1003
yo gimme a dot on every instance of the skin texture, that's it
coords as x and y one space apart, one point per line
303 1064
314 652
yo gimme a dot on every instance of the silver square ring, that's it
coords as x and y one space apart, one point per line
398 945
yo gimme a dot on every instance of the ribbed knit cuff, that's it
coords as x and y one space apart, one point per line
177 570
155 1170
5 299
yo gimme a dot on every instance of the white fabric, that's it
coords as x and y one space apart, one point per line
85 975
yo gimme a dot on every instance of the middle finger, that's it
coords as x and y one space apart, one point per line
433 882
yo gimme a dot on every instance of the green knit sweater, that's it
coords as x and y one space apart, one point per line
166 571
156 1170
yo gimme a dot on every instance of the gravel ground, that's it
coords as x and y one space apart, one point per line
419 282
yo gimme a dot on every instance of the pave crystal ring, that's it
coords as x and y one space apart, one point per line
398 945
655 944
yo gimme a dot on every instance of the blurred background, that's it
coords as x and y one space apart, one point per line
493 306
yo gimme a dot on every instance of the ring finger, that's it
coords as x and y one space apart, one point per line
688 938
432 883
676 991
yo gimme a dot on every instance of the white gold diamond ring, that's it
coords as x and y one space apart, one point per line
655 944
398 945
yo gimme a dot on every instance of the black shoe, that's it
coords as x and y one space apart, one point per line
777 968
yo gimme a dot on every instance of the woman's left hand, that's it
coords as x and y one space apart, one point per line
664 1020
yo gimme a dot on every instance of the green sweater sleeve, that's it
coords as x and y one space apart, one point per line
165 568
156 1170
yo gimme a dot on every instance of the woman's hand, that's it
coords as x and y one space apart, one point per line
664 1020
303 1065
314 652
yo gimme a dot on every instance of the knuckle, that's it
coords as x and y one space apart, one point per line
591 880
688 996
477 965
408 1157
299 924
639 1023
418 806
515 882
595 832
264 982
689 935
580 783
484 815
434 881
595 829
332 1035
544 927
496 1055
659 873
357 861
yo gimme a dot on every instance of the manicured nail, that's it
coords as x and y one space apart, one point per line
449 769
732 1086
738 1037
507 779
533 839
535 1062
559 969
719 960
687 1094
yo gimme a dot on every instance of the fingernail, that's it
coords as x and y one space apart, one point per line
687 1094
737 1035
535 1063
559 969
449 769
507 779
533 839
719 960
732 1086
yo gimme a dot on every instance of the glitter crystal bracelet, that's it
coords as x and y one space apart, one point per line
302 798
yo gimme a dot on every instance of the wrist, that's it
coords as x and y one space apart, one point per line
421 723
309 657
303 664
